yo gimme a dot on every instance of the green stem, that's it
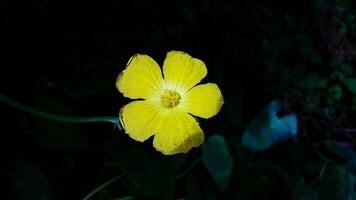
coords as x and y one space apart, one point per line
321 173
188 169
325 157
195 163
101 187
263 178
126 198
59 118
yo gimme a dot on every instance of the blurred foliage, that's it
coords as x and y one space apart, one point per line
267 128
63 58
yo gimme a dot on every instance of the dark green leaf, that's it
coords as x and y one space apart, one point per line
304 192
260 186
314 81
148 173
199 187
333 183
335 92
351 192
340 151
28 181
315 57
351 84
337 75
218 160
347 68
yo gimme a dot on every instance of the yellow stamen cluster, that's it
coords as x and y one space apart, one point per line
170 99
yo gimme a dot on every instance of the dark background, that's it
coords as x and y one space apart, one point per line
63 57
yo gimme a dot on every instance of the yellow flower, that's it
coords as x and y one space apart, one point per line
166 103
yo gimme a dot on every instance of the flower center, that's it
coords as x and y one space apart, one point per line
170 98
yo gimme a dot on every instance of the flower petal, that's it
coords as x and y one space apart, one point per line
204 100
181 71
142 78
178 133
139 119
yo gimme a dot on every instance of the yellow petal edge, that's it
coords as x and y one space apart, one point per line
141 79
204 100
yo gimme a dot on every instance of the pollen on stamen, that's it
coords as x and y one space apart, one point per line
170 98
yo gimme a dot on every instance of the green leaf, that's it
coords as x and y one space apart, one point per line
343 153
340 151
261 178
351 84
313 82
148 173
337 75
198 186
315 57
217 159
28 181
333 184
347 68
302 191
267 128
351 192
335 92
306 49
334 62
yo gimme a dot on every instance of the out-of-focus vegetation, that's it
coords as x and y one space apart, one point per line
286 71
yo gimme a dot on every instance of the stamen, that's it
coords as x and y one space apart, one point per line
170 98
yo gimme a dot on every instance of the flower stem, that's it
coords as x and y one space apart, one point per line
188 169
185 172
102 186
126 198
59 118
